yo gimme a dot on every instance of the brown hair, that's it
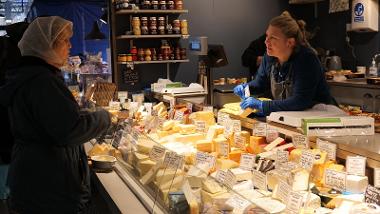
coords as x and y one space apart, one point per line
291 28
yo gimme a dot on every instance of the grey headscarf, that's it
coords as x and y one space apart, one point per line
39 38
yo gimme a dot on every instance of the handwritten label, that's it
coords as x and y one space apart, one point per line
328 147
222 148
178 115
356 165
239 141
203 158
220 176
283 191
272 135
148 108
372 195
230 179
259 180
247 161
260 130
335 179
232 126
222 118
238 203
300 141
200 126
294 202
376 175
282 156
173 161
156 153
208 108
307 160
135 136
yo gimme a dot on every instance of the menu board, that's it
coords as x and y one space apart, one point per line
130 76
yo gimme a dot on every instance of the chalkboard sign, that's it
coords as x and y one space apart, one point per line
130 76
372 195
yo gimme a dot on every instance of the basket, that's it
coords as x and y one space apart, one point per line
101 93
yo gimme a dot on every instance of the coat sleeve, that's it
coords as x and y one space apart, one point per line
57 114
307 76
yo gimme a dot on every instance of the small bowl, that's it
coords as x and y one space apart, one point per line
103 162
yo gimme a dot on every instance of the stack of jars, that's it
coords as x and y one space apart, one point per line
165 52
122 4
132 56
157 25
162 5
136 26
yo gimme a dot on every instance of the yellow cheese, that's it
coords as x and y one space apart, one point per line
226 164
196 175
244 113
295 155
167 125
145 146
187 129
162 133
208 197
214 131
172 185
138 157
235 155
246 136
100 149
222 146
166 175
206 116
190 138
194 207
320 157
205 145
335 167
145 166
255 144
210 185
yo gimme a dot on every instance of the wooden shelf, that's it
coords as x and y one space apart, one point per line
134 11
154 62
152 36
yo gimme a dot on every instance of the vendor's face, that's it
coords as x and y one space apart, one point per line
62 48
277 43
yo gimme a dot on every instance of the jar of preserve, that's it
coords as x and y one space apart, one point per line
184 28
171 5
144 21
134 53
179 5
176 30
144 30
146 5
169 29
153 21
163 5
140 54
129 58
148 55
176 23
122 57
155 5
154 54
161 30
136 21
136 30
153 29
161 21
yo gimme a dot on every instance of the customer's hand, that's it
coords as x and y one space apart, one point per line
253 103
240 90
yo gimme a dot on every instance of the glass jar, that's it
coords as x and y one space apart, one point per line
122 57
144 21
155 5
154 54
184 28
161 21
169 29
146 5
161 30
171 5
179 5
129 58
144 30
134 53
176 23
140 54
163 5
153 21
137 30
148 55
153 29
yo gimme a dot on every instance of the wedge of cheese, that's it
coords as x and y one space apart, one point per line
205 145
226 164
212 186
187 129
299 179
235 155
206 116
196 175
214 131
255 144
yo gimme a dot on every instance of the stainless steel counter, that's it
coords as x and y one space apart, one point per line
358 83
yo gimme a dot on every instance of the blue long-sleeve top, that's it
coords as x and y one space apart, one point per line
309 83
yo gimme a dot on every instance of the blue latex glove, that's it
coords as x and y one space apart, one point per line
253 103
239 90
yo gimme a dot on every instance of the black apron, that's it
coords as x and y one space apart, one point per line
283 89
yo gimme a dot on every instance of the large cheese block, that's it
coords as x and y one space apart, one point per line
299 179
235 155
331 165
220 201
172 185
138 157
222 146
356 184
205 145
295 155
196 175
208 197
214 131
189 138
187 129
206 116
212 186
269 204
246 136
246 112
250 194
241 174
166 175
226 164
144 146
320 157
255 144
145 166
314 200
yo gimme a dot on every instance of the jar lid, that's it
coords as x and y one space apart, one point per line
136 18
144 18
161 18
176 21
183 20
162 2
154 2
153 18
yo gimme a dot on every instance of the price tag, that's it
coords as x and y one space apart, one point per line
247 161
220 176
122 95
189 106
272 135
173 161
222 148
208 108
178 115
283 191
300 141
200 126
222 118
236 126
156 153
259 180
356 165
239 141
372 195
135 136
328 147
282 156
238 203
335 179
294 202
203 158
230 179
376 179
247 93
260 130
148 108
307 160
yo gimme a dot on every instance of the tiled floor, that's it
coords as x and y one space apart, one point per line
3 207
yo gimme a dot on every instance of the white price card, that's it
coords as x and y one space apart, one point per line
200 126
335 179
178 115
283 190
260 130
156 153
203 158
356 165
247 161
259 180
148 108
328 147
372 195
232 126
222 148
282 156
300 141
220 176
208 108
230 179
272 134
239 141
236 125
307 160
376 179
294 204
222 118
238 203
173 161
247 93
135 136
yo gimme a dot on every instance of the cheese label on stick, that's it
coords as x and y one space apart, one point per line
238 203
372 195
307 160
356 165
200 126
239 141
328 147
203 158
282 156
220 176
335 179
247 161
229 179
173 161
260 130
259 180
294 202
157 153
300 141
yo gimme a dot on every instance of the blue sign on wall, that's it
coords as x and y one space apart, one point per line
358 11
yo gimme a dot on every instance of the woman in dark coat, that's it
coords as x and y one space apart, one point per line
49 171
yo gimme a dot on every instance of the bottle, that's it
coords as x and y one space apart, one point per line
372 71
